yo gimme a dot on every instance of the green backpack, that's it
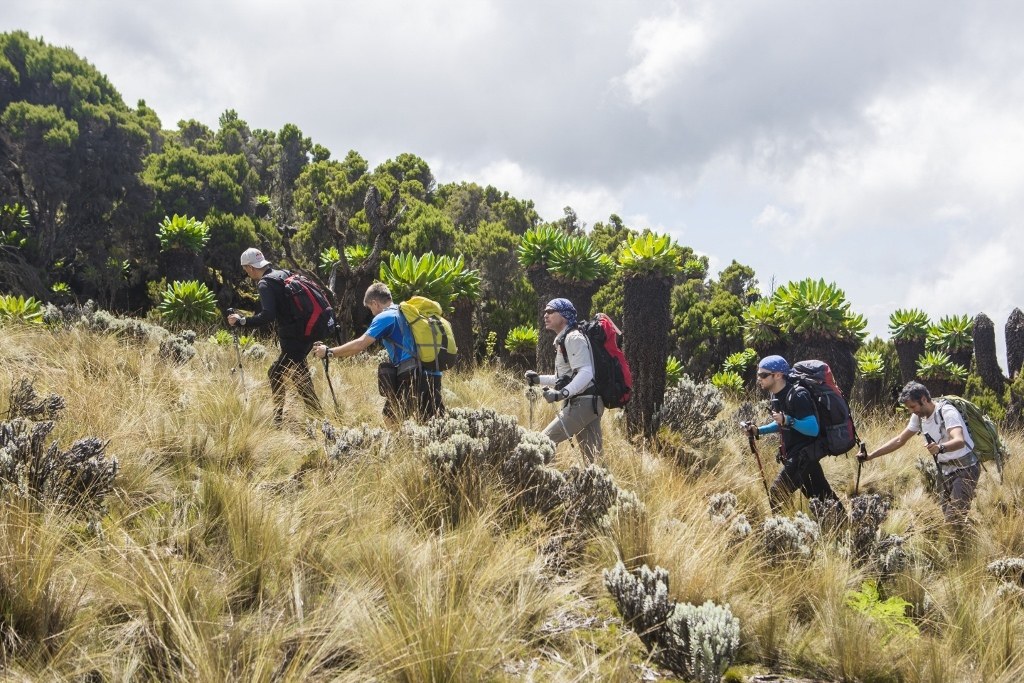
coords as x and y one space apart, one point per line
987 444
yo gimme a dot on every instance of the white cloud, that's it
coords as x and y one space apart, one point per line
664 45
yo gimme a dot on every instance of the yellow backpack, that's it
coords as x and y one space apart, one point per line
435 342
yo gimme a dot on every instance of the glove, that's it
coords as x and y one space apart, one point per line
552 395
532 378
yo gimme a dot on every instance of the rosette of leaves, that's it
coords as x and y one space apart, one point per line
762 325
188 303
263 206
673 371
649 254
355 254
521 340
14 223
465 281
18 308
407 275
728 382
870 364
577 259
952 333
740 362
183 233
936 365
908 324
538 244
815 309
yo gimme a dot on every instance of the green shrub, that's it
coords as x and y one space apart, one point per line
728 382
20 309
522 339
188 303
673 371
870 364
740 362
183 232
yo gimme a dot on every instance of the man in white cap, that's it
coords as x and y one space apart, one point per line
294 347
573 382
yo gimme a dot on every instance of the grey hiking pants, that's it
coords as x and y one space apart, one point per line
580 417
958 491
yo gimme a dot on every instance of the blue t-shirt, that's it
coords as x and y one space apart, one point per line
390 328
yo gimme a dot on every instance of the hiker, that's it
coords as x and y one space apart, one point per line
294 347
949 442
800 449
408 388
573 383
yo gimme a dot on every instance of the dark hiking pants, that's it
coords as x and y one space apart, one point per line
292 361
803 471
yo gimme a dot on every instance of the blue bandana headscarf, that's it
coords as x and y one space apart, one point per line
774 364
564 308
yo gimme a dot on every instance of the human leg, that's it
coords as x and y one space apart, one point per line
958 491
276 375
786 482
572 420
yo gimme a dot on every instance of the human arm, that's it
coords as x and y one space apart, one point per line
893 444
349 348
268 308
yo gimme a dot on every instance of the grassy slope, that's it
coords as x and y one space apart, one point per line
234 551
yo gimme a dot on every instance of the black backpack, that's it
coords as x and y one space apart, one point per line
307 309
613 380
835 422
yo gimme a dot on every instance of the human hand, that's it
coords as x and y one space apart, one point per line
320 350
751 429
532 378
235 319
552 395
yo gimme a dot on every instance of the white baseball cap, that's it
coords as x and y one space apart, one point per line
254 257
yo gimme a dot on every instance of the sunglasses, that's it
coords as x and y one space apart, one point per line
762 375
549 311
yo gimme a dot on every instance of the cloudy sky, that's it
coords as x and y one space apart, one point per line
879 145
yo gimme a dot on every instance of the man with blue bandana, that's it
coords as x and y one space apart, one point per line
572 383
793 416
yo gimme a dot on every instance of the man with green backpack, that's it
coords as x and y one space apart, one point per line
958 435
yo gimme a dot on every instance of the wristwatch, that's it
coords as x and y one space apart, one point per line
330 353
942 448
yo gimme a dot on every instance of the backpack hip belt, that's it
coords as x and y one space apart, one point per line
950 466
407 365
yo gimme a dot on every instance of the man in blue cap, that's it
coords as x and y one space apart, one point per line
572 383
793 415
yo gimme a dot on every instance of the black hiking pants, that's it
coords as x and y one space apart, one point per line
803 471
292 361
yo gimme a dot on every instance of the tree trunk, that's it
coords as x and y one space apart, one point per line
908 351
985 354
962 357
1014 343
462 327
871 392
581 294
181 265
646 322
838 355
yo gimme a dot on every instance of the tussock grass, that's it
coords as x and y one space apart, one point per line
232 550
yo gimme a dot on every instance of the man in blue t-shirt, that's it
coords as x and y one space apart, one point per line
408 388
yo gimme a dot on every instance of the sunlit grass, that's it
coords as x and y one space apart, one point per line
235 550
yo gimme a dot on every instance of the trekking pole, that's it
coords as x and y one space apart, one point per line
939 479
531 396
330 385
238 356
860 463
757 456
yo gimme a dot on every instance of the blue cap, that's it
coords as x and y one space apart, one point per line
774 364
564 308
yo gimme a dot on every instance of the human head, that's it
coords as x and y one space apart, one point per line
253 263
377 297
772 372
559 314
916 397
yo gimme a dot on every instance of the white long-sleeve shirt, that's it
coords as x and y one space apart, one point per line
580 360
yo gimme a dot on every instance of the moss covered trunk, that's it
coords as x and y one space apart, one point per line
646 320
1014 343
908 351
462 327
985 358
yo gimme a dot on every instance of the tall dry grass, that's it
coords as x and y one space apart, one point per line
232 550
